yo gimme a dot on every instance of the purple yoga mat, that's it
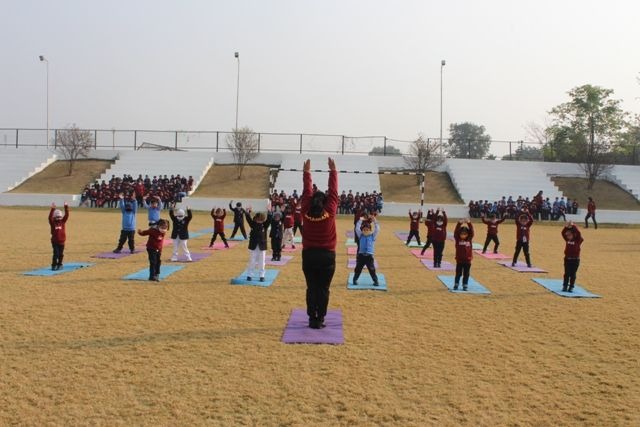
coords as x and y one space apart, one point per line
283 261
444 265
111 255
299 332
521 267
218 245
194 257
402 235
491 255
351 263
427 254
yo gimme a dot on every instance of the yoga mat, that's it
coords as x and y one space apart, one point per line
521 267
414 244
352 250
237 238
472 288
66 267
350 234
219 245
165 271
111 255
297 239
366 282
290 249
402 235
269 276
491 255
427 254
194 234
350 242
194 257
283 261
351 263
477 246
555 286
444 265
298 331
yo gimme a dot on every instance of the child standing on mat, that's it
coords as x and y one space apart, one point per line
218 215
238 220
429 220
439 236
367 238
154 247
492 232
129 208
288 221
573 240
591 213
414 226
523 225
180 233
463 236
153 209
257 243
275 233
297 216
58 224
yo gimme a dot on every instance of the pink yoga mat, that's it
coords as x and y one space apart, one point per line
298 331
521 267
283 261
491 255
352 250
444 265
290 249
427 254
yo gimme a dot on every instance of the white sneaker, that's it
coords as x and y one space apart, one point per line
174 259
189 259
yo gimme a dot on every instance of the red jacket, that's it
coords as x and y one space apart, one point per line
415 222
320 233
218 221
464 248
58 227
522 231
591 207
492 227
572 247
288 220
439 232
297 214
155 238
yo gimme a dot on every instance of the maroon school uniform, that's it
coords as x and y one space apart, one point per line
492 227
439 233
522 231
414 224
464 248
58 227
218 222
320 232
155 239
572 247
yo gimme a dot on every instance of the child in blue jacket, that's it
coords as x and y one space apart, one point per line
367 238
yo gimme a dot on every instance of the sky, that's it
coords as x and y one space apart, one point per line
347 67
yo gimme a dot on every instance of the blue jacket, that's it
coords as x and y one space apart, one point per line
367 242
129 209
153 213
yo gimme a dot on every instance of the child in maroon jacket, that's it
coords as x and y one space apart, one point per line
58 223
297 217
463 236
492 232
414 226
288 222
439 236
154 247
429 223
218 216
573 239
523 225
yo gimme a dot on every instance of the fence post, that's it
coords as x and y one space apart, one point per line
17 138
55 138
468 148
300 143
259 135
342 145
176 141
95 139
384 147
135 140
510 157
217 140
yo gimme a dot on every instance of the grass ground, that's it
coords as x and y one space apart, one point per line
606 194
221 181
405 189
89 348
55 179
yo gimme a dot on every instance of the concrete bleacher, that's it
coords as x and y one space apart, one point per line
155 163
357 182
627 177
492 179
18 164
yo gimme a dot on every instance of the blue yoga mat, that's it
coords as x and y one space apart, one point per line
165 271
555 286
472 288
194 234
237 238
269 276
67 267
365 282
350 242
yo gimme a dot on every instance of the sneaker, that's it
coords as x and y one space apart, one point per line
464 287
564 289
495 251
455 287
189 259
174 259
59 267
570 289
375 283
117 250
355 283
210 245
513 264
248 278
156 278
54 267
528 265
421 253
262 279
132 250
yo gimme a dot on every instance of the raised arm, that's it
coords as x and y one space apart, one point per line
332 199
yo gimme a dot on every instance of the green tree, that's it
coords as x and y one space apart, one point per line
390 150
587 127
468 140
525 152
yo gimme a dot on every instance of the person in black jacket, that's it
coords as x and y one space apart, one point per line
276 232
257 243
180 232
238 219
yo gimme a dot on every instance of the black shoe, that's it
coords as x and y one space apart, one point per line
226 246
484 252
248 278
455 287
375 283
54 267
355 283
570 289
421 252
513 264
528 265
464 287
495 251
564 289
314 324
59 267
262 279
156 278
132 250
117 250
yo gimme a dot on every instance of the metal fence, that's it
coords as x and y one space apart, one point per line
118 139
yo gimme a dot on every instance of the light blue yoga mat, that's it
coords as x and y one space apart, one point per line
67 267
237 238
194 234
365 282
414 244
350 242
269 276
472 288
297 239
555 286
165 271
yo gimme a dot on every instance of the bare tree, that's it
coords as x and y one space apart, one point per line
244 147
74 143
424 154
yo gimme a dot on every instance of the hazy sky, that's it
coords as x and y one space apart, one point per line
337 67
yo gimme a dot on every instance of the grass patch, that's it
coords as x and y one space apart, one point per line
404 189
55 179
607 195
221 181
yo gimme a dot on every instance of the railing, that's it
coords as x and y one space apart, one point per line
117 139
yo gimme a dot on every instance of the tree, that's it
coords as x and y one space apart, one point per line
73 143
525 152
424 154
244 147
468 140
389 150
589 123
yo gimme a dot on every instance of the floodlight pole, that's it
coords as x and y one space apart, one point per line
237 55
442 64
43 59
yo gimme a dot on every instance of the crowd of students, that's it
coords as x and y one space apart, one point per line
348 202
169 190
541 208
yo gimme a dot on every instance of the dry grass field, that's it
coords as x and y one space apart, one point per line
55 178
87 347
